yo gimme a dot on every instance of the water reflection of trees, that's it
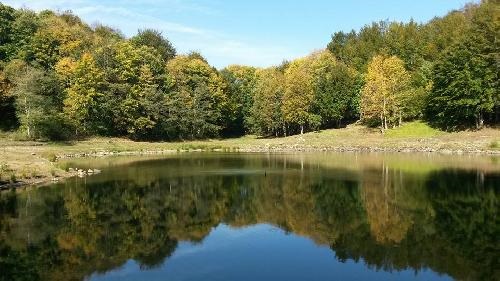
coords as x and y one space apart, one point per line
392 220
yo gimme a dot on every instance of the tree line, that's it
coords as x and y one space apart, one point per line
61 78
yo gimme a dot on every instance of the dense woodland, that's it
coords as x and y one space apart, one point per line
63 79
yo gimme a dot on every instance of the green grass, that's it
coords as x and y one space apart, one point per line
494 145
51 156
414 129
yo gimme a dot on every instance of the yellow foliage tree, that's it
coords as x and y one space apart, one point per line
267 117
387 82
65 68
299 94
83 91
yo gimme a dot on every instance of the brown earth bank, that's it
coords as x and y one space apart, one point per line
35 162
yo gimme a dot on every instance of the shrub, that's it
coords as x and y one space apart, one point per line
13 178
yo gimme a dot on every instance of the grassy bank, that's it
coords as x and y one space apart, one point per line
28 162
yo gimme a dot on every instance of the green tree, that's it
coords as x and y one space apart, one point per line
443 32
6 19
357 48
414 100
196 100
466 79
133 79
406 41
105 34
154 39
8 118
129 60
336 90
141 110
24 28
39 99
240 87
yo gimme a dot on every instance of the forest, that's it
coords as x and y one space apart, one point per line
62 79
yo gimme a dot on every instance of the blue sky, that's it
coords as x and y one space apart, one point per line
251 32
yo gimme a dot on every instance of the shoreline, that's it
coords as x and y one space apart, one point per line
353 149
102 154
25 163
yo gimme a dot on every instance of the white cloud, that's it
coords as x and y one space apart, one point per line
220 49
175 5
38 5
227 51
125 17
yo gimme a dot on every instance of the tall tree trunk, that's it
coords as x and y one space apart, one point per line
479 120
27 112
382 123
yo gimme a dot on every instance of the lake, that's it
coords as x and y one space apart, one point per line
245 216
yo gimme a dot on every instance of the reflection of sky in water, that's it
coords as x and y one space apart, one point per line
340 217
259 252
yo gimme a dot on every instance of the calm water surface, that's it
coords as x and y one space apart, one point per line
310 216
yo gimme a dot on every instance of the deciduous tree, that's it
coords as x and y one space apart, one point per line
299 95
196 99
240 88
336 90
386 83
466 79
154 39
266 112
81 104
